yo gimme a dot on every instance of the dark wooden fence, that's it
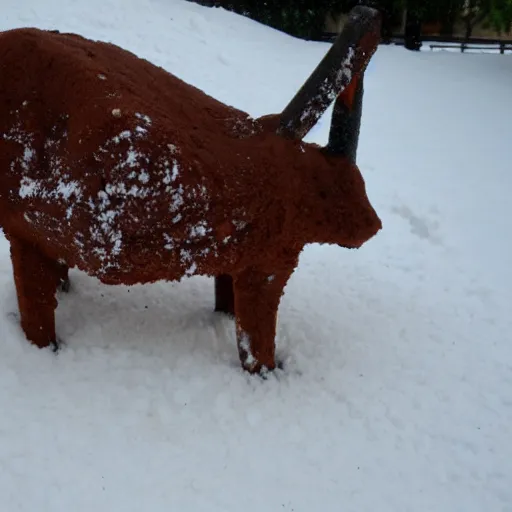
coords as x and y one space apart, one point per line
436 41
474 43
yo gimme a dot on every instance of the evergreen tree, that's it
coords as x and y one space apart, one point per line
302 18
499 15
306 18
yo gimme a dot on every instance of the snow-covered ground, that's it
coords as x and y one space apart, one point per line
397 394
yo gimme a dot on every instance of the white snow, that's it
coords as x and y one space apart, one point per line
28 156
143 117
345 72
200 230
29 187
64 190
245 345
144 176
397 389
68 189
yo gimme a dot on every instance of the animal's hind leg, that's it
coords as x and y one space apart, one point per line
224 294
36 278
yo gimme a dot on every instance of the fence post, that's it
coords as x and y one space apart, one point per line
502 47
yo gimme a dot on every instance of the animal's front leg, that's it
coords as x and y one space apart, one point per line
257 297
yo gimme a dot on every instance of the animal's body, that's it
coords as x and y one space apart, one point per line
114 166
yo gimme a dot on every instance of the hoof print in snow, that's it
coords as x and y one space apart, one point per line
422 227
149 179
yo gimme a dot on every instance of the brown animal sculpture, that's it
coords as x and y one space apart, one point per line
114 166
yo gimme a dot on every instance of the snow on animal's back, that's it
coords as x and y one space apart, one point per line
109 149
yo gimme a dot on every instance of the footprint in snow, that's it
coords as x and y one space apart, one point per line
421 227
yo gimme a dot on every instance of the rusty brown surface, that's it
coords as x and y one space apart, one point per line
114 166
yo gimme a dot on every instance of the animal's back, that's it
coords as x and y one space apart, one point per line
72 72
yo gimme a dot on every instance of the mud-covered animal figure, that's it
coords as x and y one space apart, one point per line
114 166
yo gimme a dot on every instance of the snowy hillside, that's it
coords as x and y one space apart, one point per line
397 393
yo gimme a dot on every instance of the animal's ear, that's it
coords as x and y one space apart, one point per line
345 61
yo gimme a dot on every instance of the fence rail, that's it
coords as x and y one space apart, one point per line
437 41
469 45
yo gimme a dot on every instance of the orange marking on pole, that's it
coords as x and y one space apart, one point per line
348 94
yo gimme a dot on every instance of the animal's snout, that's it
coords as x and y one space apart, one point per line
364 226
